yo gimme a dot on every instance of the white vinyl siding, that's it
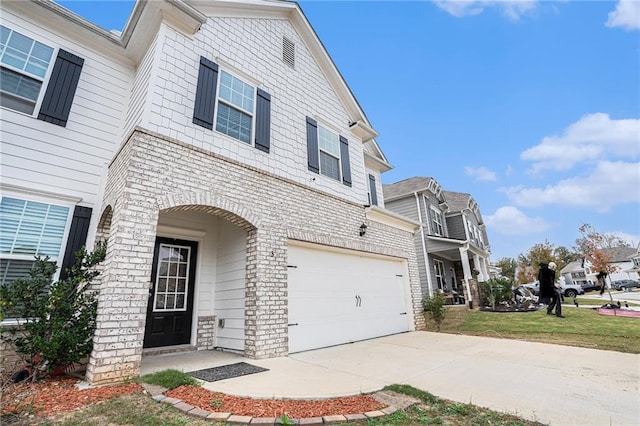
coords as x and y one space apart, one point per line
230 286
68 161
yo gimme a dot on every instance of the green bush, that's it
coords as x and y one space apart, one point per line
435 307
495 291
57 320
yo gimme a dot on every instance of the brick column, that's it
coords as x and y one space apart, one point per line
124 292
266 315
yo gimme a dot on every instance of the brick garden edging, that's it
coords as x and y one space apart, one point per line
248 420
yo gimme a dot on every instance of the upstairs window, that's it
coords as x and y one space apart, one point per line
329 146
436 222
235 107
24 66
373 193
328 152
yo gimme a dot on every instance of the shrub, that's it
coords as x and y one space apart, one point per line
435 307
495 291
56 320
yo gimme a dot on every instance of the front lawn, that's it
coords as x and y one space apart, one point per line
582 327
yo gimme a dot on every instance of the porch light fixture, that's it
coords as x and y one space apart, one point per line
363 230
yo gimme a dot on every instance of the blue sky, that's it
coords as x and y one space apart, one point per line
532 107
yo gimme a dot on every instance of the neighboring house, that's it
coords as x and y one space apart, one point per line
221 154
635 260
452 243
577 272
624 259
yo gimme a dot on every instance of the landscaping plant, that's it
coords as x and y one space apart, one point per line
55 321
495 291
435 307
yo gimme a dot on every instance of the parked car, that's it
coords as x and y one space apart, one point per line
625 284
590 286
568 290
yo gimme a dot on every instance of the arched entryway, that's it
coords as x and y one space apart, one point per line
198 279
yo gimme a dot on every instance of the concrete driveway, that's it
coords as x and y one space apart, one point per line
554 384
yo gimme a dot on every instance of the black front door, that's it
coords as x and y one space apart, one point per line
170 310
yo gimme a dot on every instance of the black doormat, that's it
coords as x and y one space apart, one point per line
226 372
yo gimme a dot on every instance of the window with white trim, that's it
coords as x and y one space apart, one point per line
438 268
329 148
236 107
436 222
24 65
29 229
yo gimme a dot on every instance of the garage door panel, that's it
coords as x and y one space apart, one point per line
337 297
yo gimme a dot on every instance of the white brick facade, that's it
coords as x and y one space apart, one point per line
152 173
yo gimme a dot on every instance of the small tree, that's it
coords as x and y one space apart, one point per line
496 290
435 307
508 266
56 320
593 246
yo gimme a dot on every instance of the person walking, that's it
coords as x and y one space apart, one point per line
556 301
545 280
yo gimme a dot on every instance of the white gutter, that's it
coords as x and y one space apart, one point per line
424 247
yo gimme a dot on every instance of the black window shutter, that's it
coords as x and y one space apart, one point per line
312 145
76 239
205 94
263 121
372 189
344 156
58 98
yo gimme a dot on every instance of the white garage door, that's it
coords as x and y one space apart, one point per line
343 296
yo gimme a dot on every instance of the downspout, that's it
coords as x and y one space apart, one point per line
424 247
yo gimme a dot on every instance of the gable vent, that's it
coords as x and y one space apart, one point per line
288 52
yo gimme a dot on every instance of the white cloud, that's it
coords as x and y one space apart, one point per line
610 184
480 173
509 220
626 15
594 137
513 9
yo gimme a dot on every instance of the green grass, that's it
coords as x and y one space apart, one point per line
168 378
432 410
582 327
128 410
586 301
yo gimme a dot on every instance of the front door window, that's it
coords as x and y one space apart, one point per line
170 311
171 278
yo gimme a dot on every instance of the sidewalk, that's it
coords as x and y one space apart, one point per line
555 384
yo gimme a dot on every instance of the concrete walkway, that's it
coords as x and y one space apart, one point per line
554 384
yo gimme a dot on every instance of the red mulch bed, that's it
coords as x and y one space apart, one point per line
220 402
57 395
